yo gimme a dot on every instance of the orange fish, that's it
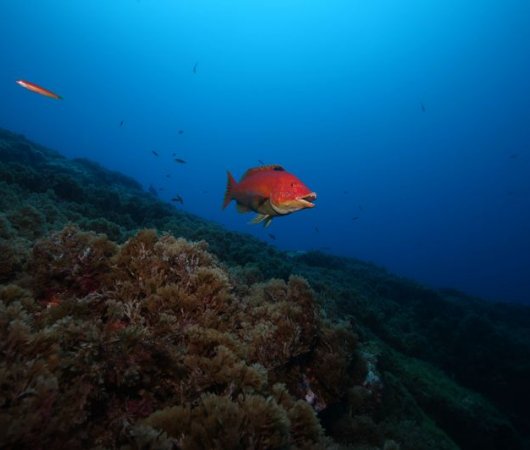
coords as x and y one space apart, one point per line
270 191
39 90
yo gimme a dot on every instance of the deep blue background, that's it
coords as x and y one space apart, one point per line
330 89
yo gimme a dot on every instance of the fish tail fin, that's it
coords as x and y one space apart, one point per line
230 184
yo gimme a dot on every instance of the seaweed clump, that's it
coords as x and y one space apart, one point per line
153 344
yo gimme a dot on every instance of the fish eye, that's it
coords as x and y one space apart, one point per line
292 184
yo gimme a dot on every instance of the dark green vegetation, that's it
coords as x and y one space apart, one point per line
114 336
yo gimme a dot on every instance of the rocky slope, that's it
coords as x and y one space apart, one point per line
126 323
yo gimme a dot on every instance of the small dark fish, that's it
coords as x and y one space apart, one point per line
178 199
423 109
152 190
355 218
160 189
121 123
180 161
195 67
168 175
345 192
514 155
317 230
181 131
261 162
272 236
154 153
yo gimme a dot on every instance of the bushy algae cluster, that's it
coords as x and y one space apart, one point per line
115 335
152 343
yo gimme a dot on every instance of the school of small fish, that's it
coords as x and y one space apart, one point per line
268 190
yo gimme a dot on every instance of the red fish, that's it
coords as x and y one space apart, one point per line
270 191
38 89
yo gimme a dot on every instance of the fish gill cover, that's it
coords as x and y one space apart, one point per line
115 335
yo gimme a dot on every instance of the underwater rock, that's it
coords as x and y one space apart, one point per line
100 334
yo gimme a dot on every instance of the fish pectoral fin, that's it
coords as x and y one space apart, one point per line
267 221
242 208
260 218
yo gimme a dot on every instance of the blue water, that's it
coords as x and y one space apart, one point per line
410 119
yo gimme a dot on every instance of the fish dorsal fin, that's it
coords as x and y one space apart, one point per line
270 167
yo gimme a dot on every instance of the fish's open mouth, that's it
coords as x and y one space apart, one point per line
307 199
